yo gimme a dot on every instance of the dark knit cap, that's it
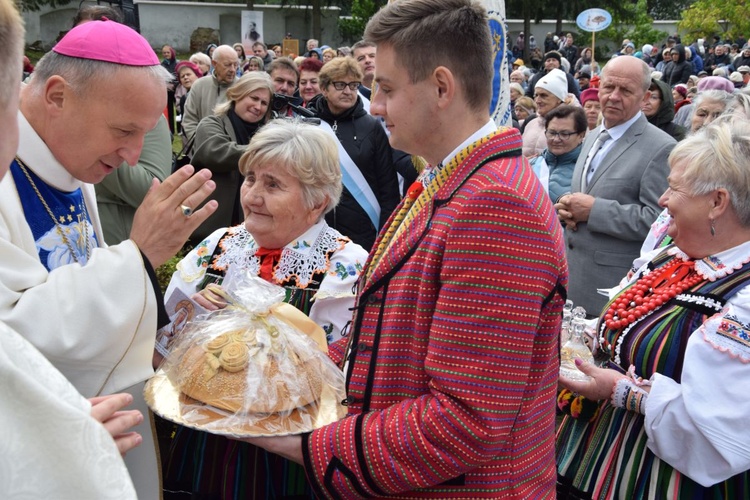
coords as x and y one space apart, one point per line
553 54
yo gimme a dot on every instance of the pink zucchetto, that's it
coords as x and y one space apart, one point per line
107 41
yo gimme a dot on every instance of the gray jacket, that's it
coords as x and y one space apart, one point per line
627 186
204 95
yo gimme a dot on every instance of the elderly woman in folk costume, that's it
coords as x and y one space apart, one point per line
664 417
291 179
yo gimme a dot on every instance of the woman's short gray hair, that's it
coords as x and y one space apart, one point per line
716 95
200 57
305 151
84 74
718 156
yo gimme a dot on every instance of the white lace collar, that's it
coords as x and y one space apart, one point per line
301 259
720 265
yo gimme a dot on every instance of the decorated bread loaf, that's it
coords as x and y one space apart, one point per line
250 371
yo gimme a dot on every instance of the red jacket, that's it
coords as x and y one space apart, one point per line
453 369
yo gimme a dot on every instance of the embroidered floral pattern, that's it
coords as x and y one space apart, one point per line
300 260
718 266
300 245
730 335
201 251
344 271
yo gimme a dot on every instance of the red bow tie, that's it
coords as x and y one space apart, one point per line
268 261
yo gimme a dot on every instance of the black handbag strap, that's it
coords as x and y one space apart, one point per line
187 146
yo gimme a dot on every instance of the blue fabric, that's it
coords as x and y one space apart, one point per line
70 212
561 171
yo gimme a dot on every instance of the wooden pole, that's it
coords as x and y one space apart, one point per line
593 51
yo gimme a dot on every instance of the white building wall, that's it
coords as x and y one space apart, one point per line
173 22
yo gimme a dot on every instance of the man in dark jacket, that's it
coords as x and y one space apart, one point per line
549 42
570 51
552 60
659 110
719 58
744 58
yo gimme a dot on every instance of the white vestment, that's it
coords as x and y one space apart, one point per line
96 323
51 446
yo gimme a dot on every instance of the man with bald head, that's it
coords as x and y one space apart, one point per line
211 89
616 185
92 310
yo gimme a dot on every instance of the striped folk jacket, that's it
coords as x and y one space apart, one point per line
453 359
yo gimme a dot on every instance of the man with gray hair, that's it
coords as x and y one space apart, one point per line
92 310
211 89
618 179
364 53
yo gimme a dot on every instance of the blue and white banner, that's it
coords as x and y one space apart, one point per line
500 105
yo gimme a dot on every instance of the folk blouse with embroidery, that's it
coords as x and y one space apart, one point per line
320 251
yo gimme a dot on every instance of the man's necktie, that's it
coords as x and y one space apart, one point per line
589 168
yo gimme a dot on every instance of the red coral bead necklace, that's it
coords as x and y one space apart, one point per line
651 292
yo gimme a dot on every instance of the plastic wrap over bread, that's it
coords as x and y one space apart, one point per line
256 367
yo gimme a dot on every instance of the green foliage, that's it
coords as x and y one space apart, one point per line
165 271
700 20
668 9
351 30
633 23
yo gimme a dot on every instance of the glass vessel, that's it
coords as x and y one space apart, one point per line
574 348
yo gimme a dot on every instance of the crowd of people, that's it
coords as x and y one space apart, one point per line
676 70
434 248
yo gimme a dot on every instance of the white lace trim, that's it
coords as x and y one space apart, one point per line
720 265
700 300
300 259
238 250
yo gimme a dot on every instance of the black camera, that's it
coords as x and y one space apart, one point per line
280 101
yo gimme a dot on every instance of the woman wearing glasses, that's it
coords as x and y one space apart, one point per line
371 190
550 92
565 128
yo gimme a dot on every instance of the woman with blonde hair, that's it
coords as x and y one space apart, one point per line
525 109
663 415
220 140
254 63
328 54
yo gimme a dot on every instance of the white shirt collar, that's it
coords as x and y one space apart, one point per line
37 156
619 130
485 130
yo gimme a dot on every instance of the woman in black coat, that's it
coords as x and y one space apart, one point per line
678 70
365 141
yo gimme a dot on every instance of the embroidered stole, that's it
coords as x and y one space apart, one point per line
70 213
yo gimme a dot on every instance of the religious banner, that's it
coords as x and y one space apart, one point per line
500 105
252 29
290 47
